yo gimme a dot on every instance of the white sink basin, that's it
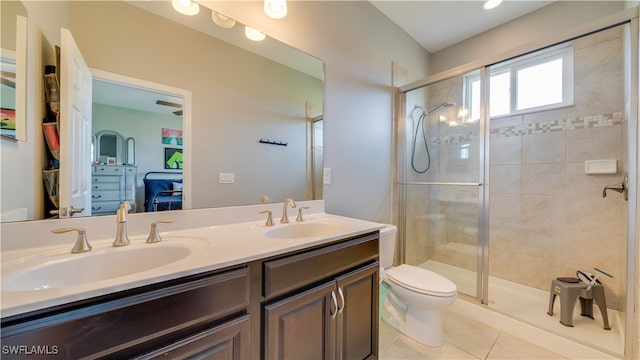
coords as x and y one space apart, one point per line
302 230
64 270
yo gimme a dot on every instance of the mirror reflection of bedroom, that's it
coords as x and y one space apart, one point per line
137 149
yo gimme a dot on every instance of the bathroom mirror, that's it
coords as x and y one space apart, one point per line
238 96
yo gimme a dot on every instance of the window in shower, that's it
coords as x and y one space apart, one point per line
540 81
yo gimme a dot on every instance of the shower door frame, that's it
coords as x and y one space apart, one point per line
628 16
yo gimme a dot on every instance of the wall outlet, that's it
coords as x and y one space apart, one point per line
326 176
226 178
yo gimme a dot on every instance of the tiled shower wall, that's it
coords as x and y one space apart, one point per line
547 217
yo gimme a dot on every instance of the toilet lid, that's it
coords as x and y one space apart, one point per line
421 280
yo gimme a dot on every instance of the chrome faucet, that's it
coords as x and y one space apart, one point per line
121 218
285 219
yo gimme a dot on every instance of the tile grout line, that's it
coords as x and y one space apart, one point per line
493 345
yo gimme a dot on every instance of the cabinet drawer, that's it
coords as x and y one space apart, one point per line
105 186
99 329
292 272
107 195
104 206
105 179
109 169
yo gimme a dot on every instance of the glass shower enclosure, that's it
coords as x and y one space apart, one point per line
494 186
440 184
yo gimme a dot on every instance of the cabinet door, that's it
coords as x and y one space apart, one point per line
229 341
301 326
357 321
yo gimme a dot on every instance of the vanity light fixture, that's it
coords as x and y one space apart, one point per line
253 34
222 21
490 4
185 7
276 9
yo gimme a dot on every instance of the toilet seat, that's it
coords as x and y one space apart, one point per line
421 281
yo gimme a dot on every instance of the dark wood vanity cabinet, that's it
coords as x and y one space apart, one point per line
144 322
319 303
332 313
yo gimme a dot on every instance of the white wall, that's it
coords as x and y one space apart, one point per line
549 21
357 44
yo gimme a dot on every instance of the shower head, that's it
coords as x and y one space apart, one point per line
447 104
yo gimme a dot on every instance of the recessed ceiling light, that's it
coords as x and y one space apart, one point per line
490 4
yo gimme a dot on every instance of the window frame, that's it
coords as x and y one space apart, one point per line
564 52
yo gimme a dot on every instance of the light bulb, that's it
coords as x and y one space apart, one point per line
490 4
276 9
253 34
185 7
222 21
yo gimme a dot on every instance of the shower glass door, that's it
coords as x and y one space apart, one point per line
440 179
553 113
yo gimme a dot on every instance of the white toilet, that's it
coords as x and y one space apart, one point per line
414 296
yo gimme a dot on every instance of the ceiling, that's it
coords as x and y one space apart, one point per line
438 24
433 24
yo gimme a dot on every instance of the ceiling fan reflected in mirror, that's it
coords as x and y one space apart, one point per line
8 79
172 104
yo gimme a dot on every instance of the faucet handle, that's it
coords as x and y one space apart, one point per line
269 221
121 214
81 245
300 218
154 236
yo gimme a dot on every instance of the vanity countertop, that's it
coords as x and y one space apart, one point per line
207 248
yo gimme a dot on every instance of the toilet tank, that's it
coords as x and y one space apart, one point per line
387 245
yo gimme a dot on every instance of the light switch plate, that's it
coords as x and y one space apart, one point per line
326 176
226 178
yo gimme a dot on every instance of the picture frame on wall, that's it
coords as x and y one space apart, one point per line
8 124
173 158
172 136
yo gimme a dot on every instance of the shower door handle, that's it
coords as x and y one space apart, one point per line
622 188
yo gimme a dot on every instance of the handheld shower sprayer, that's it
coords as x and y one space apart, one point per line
423 115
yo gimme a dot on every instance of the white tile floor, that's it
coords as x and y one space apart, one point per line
464 339
530 306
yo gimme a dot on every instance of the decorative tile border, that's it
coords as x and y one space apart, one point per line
453 138
543 127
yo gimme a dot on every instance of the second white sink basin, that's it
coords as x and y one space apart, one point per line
65 270
302 230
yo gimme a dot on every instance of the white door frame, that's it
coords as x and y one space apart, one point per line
186 118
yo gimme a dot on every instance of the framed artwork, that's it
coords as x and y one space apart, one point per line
172 136
8 124
173 158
